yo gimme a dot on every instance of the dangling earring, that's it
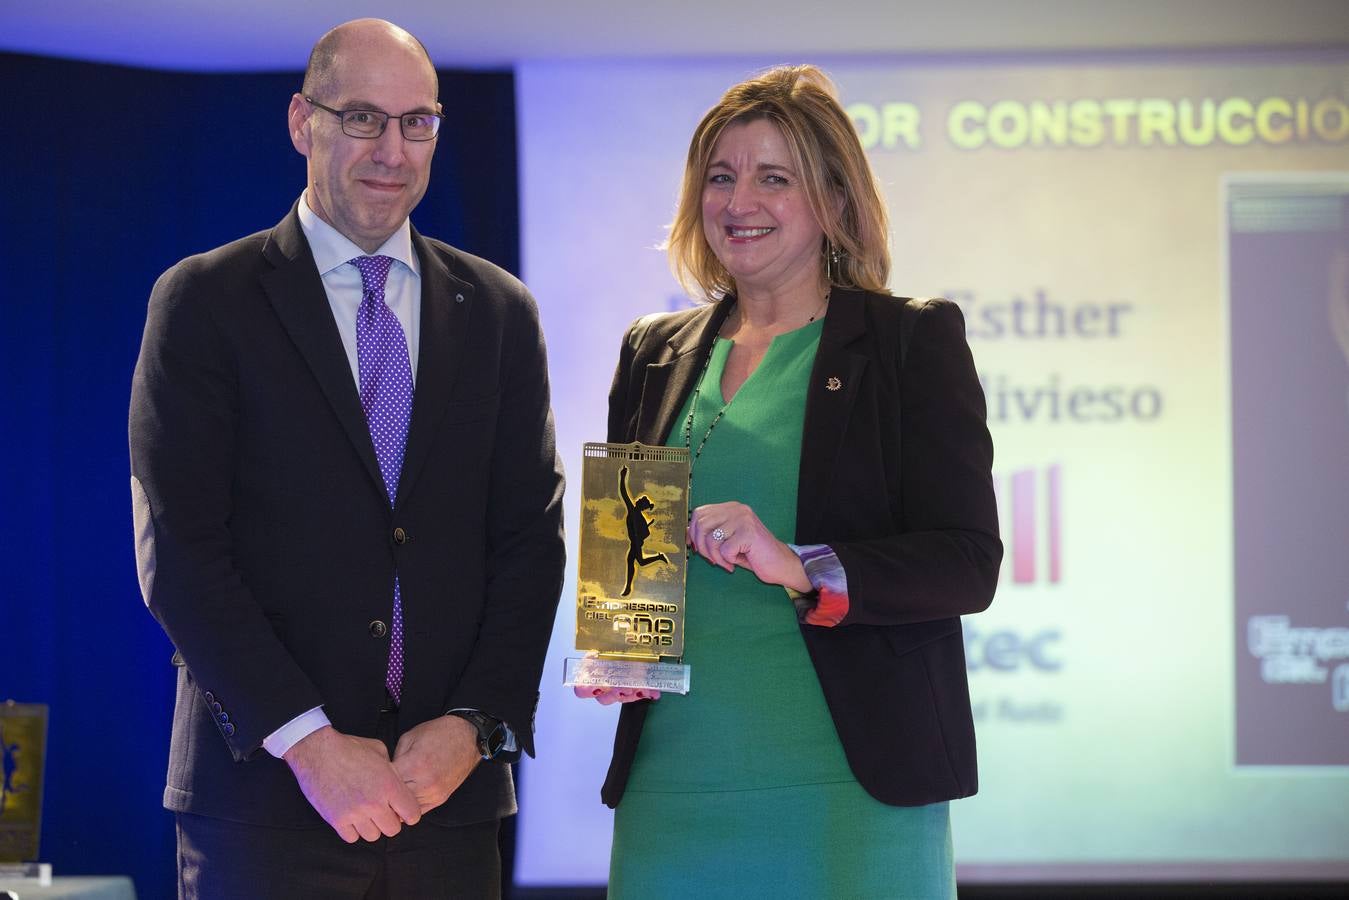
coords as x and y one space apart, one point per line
834 271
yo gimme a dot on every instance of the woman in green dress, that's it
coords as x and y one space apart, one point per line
844 517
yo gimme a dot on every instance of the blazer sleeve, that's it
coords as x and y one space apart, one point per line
182 431
526 553
943 558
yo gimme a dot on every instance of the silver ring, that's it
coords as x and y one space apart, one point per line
718 535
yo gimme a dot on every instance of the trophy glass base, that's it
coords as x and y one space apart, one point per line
596 671
40 873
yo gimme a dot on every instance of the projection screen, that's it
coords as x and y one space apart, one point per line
1152 255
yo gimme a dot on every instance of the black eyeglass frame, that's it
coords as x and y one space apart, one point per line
383 119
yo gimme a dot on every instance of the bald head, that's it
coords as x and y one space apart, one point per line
364 185
323 74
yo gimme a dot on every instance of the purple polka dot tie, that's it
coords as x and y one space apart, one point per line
386 397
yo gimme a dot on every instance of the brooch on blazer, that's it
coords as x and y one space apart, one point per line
833 384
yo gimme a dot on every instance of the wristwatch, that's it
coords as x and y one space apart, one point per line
491 732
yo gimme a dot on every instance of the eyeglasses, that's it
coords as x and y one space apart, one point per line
369 124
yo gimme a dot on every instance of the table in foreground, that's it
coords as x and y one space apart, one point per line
72 887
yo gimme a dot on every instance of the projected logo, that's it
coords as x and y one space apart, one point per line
1293 655
1294 659
1030 506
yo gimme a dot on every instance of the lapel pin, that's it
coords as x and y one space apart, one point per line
833 384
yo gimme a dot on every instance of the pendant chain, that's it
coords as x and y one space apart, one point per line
688 431
697 393
693 408
823 304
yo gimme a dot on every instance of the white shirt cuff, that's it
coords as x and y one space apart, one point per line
294 731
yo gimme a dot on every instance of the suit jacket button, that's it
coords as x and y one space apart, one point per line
224 718
228 728
216 707
400 536
210 698
378 629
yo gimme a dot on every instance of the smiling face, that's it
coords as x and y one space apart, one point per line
756 216
366 188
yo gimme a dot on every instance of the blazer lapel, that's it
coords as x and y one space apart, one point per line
296 293
447 303
667 384
830 395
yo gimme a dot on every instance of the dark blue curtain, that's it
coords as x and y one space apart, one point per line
112 176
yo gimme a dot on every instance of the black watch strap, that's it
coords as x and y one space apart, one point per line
491 732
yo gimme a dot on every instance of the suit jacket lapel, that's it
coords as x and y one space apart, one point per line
667 384
447 303
830 395
295 291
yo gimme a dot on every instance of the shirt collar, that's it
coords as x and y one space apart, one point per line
331 248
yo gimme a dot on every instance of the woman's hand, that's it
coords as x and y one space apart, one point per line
606 696
730 535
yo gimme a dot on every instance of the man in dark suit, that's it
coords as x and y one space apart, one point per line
348 517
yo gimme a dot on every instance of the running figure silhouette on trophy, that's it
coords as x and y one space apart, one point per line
11 765
639 529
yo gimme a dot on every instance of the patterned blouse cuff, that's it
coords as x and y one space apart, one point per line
827 605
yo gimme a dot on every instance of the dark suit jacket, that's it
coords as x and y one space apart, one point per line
895 478
267 545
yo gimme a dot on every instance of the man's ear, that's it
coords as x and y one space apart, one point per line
298 119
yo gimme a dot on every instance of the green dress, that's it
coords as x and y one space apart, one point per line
741 788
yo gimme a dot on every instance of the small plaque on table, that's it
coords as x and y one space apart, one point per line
23 742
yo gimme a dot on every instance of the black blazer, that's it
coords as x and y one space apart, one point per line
895 478
266 541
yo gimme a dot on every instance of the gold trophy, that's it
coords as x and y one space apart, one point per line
630 580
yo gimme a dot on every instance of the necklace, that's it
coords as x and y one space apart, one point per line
823 304
693 408
698 391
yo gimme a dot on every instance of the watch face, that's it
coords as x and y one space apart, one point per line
491 733
490 744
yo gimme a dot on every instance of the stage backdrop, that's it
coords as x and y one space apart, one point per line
1152 254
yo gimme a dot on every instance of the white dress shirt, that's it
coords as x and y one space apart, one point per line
333 253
